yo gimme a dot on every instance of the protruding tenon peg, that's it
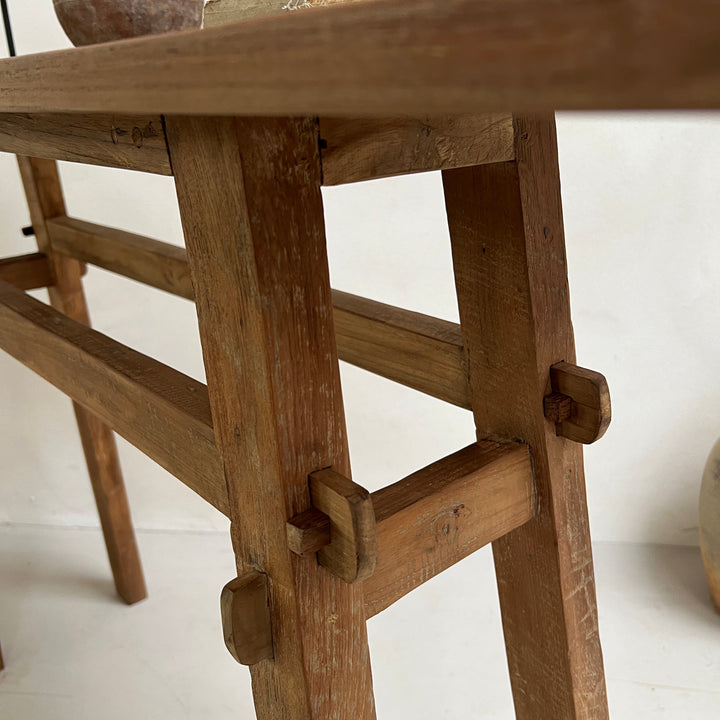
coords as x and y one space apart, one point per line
579 404
245 612
340 527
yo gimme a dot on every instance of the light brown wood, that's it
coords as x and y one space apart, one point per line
308 532
351 553
45 200
245 613
250 202
589 411
442 513
508 248
149 261
352 149
367 148
395 58
416 350
26 272
131 142
159 410
421 352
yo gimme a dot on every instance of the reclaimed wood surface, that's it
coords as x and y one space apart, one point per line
249 193
590 410
45 200
159 410
132 143
442 513
391 57
148 261
510 269
356 149
246 618
26 272
352 551
416 350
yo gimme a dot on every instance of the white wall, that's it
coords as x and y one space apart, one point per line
641 213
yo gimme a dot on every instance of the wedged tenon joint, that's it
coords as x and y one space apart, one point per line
340 527
245 611
579 404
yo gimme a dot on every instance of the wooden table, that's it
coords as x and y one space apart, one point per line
251 119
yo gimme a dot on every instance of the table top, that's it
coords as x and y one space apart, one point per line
389 57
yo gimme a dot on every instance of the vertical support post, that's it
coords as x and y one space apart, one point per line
510 270
45 200
250 203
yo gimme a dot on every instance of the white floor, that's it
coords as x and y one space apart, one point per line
72 651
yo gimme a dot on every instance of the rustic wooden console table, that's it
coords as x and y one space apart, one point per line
252 119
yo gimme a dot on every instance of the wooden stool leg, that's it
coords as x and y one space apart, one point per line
509 254
45 199
249 193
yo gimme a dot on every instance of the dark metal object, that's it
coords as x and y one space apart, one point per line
8 29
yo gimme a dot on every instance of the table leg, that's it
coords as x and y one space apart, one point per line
45 199
508 247
250 202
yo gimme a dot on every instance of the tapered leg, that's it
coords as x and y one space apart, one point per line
509 255
45 199
249 193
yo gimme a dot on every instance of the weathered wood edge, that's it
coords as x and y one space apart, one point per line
453 56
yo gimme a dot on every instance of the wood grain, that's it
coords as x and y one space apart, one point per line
356 149
416 350
159 410
130 142
394 58
442 513
421 352
246 618
26 272
511 276
249 193
45 200
590 409
148 261
351 553
308 532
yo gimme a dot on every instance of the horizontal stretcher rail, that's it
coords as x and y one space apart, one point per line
26 272
352 149
425 522
413 349
119 141
159 410
441 514
395 58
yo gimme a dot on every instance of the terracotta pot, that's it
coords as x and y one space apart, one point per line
87 22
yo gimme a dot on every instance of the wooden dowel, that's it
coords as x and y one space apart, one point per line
130 142
395 58
149 261
442 513
159 410
422 352
26 272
